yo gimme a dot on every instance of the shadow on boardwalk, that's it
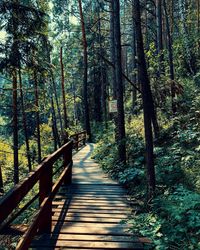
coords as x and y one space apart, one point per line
88 213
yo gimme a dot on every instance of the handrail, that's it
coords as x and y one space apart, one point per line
16 194
47 191
78 138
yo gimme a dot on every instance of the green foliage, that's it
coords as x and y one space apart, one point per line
174 221
171 220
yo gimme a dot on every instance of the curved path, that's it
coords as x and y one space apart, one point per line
89 213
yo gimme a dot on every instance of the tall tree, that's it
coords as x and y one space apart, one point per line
15 127
24 119
159 33
170 55
146 99
121 137
188 54
37 114
15 60
63 92
134 61
112 48
85 77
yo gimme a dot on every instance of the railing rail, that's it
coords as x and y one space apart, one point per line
47 190
79 138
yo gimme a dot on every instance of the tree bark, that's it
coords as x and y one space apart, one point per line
57 102
54 125
85 78
15 127
171 61
188 53
198 16
121 138
63 93
37 115
112 50
159 34
103 73
15 62
147 101
24 122
134 63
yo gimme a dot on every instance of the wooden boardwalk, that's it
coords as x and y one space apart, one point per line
88 214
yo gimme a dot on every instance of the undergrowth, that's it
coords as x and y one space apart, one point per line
172 219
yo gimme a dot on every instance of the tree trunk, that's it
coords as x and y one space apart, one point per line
57 102
188 54
104 96
171 61
63 94
119 84
54 125
102 73
85 79
112 50
75 104
198 16
159 34
198 24
147 101
134 63
171 16
15 127
54 93
37 113
24 122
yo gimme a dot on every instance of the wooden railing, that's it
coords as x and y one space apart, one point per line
79 139
47 190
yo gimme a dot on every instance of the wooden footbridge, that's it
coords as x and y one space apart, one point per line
81 209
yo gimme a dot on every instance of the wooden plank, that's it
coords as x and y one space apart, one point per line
86 219
99 186
63 201
69 248
90 196
84 229
100 189
97 204
99 196
98 207
101 202
95 200
89 244
89 225
91 215
92 189
96 194
85 237
100 211
96 185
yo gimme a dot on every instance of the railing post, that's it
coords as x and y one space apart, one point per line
45 188
84 141
1 182
67 159
77 143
